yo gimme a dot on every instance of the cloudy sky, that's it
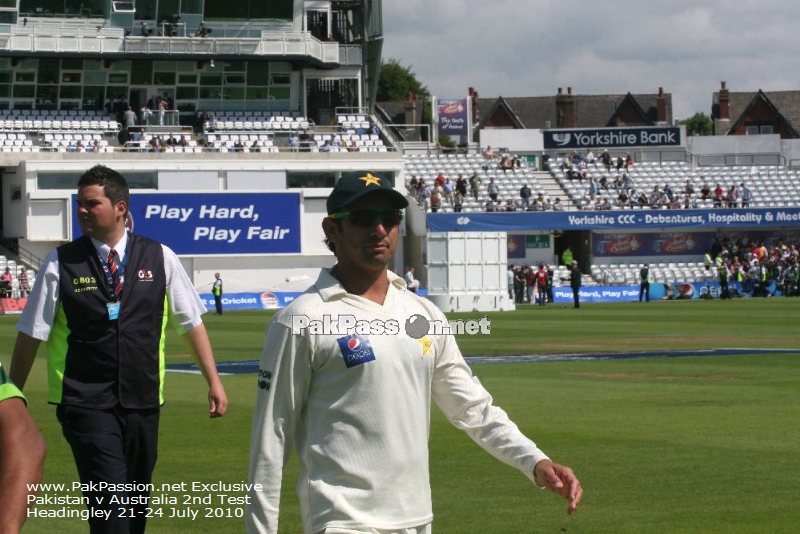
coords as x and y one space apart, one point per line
518 48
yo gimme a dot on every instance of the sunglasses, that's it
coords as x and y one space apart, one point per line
369 218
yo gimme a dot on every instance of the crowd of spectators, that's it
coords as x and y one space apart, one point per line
605 192
756 265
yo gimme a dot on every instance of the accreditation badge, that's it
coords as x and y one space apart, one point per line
113 310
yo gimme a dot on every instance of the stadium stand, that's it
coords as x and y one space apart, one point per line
428 167
771 185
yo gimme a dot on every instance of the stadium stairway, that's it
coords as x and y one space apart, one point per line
554 190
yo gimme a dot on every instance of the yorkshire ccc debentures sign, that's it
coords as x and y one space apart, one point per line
612 138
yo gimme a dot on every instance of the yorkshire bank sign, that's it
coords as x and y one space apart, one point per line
612 138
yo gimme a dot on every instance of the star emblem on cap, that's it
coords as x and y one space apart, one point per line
369 179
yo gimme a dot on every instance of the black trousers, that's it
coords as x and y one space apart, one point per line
576 296
644 291
116 446
218 303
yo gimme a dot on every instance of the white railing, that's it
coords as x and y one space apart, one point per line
109 40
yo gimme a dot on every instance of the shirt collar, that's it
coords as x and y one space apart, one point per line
103 249
330 288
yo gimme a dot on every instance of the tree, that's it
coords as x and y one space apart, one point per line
698 124
395 82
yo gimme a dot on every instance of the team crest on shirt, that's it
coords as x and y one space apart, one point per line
427 345
355 349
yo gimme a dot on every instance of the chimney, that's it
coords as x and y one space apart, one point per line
410 108
565 109
724 102
661 107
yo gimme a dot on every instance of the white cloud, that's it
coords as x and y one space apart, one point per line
524 48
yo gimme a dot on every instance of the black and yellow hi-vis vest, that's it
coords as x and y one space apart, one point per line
96 362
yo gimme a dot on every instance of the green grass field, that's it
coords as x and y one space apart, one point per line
661 445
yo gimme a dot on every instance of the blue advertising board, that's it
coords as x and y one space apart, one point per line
620 221
215 223
563 294
611 137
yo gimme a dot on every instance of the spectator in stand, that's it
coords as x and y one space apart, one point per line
687 202
141 137
544 202
534 206
747 195
620 163
617 184
732 197
440 180
525 194
294 142
423 194
719 196
689 189
183 141
458 201
474 184
490 206
668 193
352 147
594 188
449 189
605 158
622 200
256 146
489 153
493 190
326 146
572 173
656 199
628 162
557 206
413 186
705 192
162 106
436 199
510 206
212 124
627 182
336 142
642 199
97 146
306 140
590 159
461 185
507 163
603 183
